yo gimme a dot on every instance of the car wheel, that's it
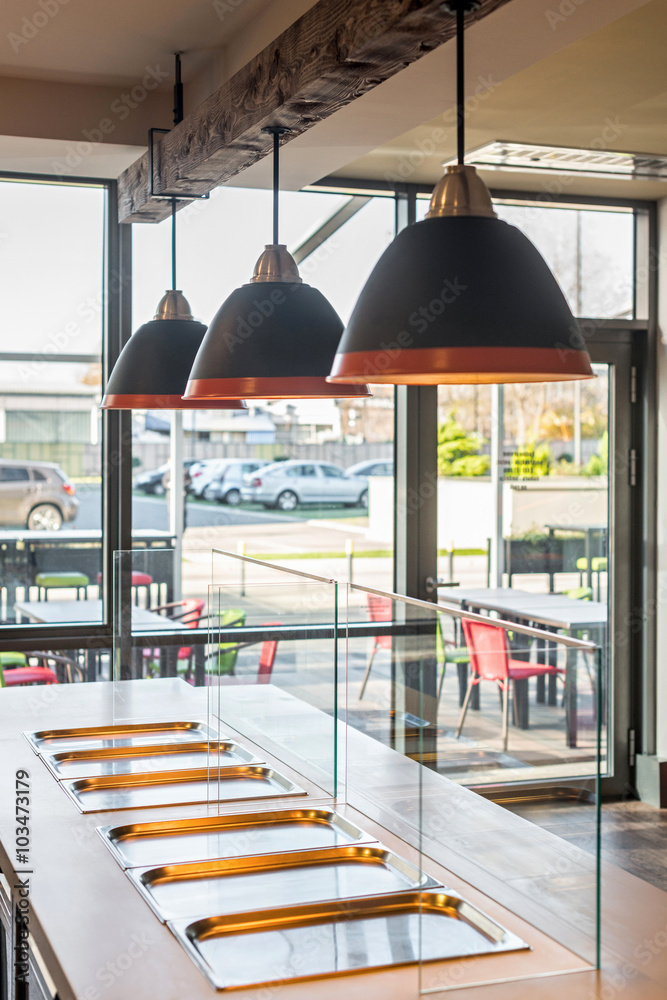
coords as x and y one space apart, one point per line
233 498
209 494
159 490
45 517
363 500
287 501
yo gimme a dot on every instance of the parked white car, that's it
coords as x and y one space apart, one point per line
201 474
287 485
372 467
226 484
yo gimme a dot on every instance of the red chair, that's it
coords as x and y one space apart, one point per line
490 661
19 676
188 613
139 579
64 669
267 656
379 610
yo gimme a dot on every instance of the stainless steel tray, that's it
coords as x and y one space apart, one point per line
233 885
147 759
339 938
170 788
121 735
203 838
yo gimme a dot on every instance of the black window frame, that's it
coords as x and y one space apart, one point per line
116 436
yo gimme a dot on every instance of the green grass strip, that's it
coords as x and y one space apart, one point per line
358 554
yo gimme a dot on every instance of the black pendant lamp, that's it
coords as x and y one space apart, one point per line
273 338
461 297
152 369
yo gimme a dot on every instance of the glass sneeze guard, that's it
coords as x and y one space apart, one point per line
352 701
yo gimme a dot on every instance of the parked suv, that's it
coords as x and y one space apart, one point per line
285 485
35 494
225 486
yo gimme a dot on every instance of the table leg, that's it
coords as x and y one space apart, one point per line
571 697
137 662
200 665
169 661
541 651
520 700
552 660
91 664
464 673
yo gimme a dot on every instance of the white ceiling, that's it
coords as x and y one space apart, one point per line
555 81
110 42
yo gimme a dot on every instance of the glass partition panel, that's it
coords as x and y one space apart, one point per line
272 664
439 699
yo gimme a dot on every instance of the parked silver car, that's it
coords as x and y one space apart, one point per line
226 484
372 467
37 495
286 485
202 473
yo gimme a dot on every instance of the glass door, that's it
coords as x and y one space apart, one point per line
533 515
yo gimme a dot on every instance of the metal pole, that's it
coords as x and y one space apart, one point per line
497 458
577 423
176 499
240 548
349 552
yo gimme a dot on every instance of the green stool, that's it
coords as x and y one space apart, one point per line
225 661
446 653
580 594
222 661
598 565
61 581
13 660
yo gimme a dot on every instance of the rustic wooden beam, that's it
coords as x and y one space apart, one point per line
337 51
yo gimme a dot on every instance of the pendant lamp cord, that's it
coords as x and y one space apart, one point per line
276 131
173 244
178 118
460 83
276 184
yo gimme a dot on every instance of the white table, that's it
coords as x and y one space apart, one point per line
91 613
552 611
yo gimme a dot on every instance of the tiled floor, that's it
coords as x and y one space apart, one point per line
634 834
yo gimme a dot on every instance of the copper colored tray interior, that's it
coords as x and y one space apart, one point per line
119 735
269 881
147 759
339 938
169 788
206 837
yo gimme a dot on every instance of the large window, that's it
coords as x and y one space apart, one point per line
321 520
52 256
